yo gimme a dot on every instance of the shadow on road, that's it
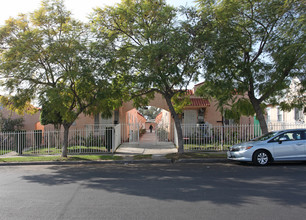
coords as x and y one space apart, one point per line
221 184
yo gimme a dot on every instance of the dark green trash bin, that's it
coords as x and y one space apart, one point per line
20 141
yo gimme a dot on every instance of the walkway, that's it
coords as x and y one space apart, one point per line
148 144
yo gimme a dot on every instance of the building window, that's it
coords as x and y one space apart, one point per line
229 121
201 112
298 114
116 117
280 114
268 114
97 116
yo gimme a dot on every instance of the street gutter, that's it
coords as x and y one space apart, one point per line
144 161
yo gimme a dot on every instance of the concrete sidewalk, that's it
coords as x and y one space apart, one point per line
161 148
148 144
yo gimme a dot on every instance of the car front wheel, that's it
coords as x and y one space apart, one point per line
261 158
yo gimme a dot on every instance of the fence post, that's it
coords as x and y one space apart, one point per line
18 143
113 139
80 145
222 138
48 135
138 132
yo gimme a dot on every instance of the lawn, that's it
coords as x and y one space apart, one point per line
72 149
2 152
196 155
205 147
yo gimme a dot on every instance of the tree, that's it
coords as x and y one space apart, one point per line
151 112
10 124
50 115
253 48
49 57
156 49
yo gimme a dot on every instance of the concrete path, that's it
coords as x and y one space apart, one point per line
148 144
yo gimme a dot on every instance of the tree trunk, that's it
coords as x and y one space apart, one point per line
259 114
66 135
178 126
57 142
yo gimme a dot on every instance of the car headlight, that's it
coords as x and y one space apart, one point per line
245 147
240 148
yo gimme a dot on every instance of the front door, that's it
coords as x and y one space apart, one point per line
190 117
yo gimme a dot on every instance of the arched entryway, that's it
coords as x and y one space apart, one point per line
138 136
138 125
135 125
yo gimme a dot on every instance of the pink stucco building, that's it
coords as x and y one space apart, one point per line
199 111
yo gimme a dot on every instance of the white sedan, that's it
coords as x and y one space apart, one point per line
284 145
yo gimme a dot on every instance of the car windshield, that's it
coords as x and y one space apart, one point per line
266 136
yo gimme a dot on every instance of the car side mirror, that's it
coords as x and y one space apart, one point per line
281 140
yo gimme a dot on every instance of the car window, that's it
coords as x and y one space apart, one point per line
303 136
265 137
297 135
290 136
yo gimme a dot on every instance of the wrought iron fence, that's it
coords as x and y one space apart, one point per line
129 132
81 141
106 138
207 137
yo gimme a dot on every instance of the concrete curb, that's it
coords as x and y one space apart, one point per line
145 161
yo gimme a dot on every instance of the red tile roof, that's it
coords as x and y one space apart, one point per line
199 102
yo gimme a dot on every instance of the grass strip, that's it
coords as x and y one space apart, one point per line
4 151
196 155
59 158
205 147
142 157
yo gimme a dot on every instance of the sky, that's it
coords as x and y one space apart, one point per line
79 8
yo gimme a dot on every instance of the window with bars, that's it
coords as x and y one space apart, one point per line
268 114
298 114
280 114
97 116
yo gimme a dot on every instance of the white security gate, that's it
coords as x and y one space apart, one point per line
164 132
130 133
133 133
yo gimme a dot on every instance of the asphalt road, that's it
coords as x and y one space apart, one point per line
153 191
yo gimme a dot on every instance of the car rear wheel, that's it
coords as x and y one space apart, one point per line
261 158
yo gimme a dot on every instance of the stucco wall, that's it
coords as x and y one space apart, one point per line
82 121
288 116
148 123
212 115
29 120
